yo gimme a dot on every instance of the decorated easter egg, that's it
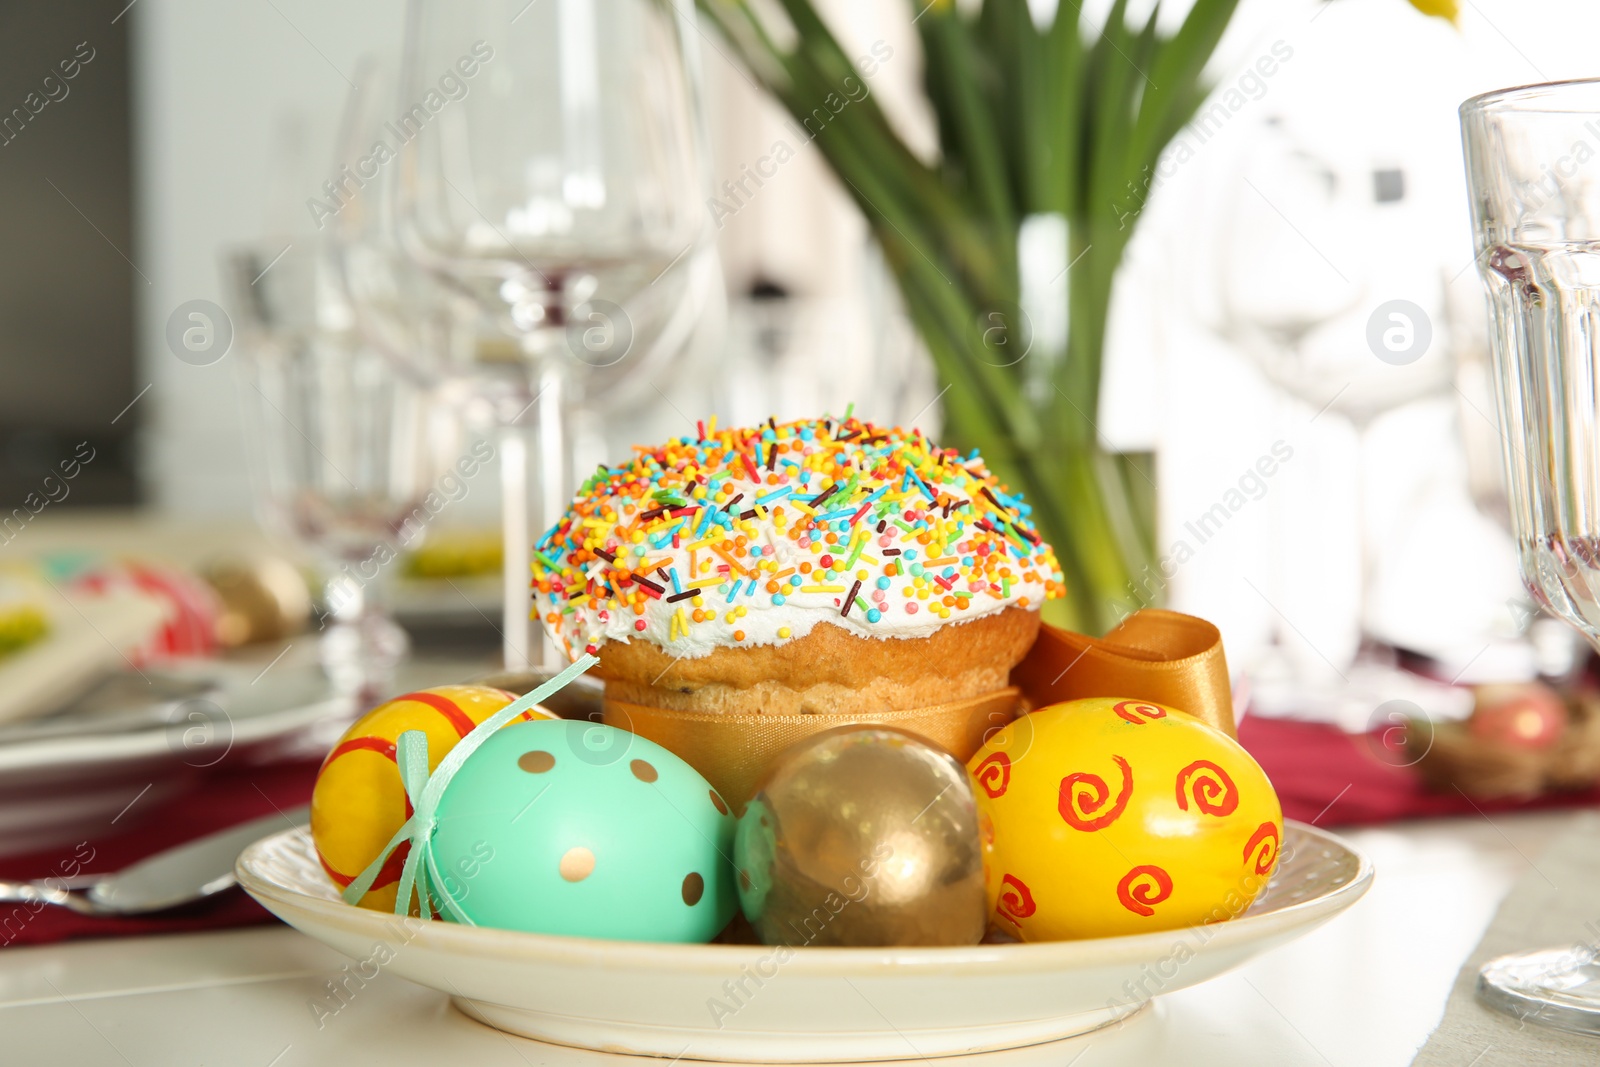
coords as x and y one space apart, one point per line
1530 716
862 835
358 802
582 829
1104 817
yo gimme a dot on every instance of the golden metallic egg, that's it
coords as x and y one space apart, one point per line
264 598
862 835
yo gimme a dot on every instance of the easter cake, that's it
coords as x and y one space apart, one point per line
824 566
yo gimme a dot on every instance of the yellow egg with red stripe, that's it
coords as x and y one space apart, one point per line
1104 817
358 802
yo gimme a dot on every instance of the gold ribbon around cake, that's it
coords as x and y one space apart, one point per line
1160 656
733 751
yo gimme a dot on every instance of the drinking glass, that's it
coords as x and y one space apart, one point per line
1296 270
1296 281
350 458
1289 253
551 170
1533 175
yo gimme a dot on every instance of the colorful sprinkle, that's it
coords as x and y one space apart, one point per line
791 510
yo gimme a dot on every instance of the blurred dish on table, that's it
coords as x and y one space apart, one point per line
453 579
78 636
136 738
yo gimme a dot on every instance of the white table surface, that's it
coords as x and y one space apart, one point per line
1363 991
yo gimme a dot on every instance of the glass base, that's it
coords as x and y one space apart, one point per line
360 657
1555 987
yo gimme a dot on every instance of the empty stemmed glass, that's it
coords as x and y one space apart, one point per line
1288 249
1297 268
1297 291
551 172
350 458
1533 174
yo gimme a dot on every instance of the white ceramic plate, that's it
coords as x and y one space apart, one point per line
70 779
72 776
739 1002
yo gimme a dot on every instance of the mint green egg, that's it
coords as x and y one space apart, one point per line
580 829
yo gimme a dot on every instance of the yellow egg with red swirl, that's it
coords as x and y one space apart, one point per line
1103 817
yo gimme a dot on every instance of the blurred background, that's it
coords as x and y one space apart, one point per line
189 241
207 136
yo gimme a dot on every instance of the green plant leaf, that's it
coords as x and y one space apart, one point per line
1061 124
1175 72
1030 120
969 131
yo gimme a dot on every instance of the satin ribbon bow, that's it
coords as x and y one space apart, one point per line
423 790
1161 656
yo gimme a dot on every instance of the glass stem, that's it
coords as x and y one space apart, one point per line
360 645
344 596
517 552
553 468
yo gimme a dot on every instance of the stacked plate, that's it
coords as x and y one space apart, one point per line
147 735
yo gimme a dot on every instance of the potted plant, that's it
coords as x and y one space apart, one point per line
1048 136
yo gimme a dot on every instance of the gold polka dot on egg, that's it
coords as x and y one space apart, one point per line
577 864
694 887
536 762
1109 816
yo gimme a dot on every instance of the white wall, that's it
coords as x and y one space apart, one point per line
213 82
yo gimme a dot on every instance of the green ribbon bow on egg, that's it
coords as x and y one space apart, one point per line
424 790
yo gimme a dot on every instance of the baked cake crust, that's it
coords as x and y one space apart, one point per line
828 671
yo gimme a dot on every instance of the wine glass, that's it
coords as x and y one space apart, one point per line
1533 174
551 173
1531 639
349 457
1287 259
1300 280
1302 261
